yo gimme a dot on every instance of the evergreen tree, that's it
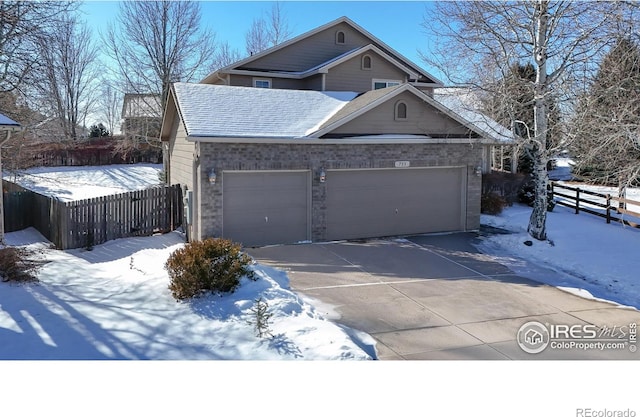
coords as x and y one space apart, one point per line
607 145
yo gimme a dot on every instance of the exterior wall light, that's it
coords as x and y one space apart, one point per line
212 176
322 175
478 171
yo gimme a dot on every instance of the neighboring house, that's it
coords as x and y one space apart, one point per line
141 116
7 126
330 135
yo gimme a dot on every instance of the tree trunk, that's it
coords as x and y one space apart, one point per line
537 222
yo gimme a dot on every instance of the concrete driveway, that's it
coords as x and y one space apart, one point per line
436 297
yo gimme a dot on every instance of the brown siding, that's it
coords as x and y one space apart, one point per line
312 51
180 156
349 76
422 119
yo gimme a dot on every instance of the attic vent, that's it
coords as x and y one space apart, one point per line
366 62
340 37
401 111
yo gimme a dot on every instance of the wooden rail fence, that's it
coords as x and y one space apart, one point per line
93 221
603 205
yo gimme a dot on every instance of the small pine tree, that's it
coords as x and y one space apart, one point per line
261 318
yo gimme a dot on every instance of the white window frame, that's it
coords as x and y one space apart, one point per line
388 83
257 80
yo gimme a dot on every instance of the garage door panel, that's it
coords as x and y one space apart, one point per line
262 208
371 203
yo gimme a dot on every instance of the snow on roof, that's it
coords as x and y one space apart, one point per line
463 102
5 121
225 111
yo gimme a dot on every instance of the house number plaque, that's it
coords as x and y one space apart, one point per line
402 164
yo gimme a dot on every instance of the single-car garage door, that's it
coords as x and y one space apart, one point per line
388 202
261 208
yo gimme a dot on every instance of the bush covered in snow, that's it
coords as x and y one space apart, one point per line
210 265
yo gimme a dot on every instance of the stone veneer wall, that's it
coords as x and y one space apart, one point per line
313 157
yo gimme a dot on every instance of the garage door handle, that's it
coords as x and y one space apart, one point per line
396 211
266 219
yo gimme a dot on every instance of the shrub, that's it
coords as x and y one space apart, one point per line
492 203
17 265
210 265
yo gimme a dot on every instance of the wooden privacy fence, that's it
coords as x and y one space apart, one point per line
602 205
93 221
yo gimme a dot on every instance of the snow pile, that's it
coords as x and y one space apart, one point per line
591 256
113 303
80 182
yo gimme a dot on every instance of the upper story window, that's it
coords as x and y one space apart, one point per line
262 82
378 84
340 37
366 62
401 111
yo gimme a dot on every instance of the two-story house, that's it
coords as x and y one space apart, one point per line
331 135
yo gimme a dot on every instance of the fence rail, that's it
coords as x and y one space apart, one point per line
597 204
93 221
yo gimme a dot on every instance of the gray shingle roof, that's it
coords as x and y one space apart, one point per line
224 111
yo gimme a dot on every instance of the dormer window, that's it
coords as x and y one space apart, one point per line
366 62
340 37
400 111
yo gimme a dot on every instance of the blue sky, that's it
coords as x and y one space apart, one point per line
397 23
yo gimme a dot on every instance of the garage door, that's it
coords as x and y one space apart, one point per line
261 208
390 202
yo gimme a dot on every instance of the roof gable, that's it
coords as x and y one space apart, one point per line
450 106
298 55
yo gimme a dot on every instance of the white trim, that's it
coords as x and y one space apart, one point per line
265 73
267 80
344 37
368 140
381 80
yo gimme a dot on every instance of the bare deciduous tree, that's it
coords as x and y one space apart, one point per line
479 43
156 43
110 104
268 31
69 73
225 55
22 25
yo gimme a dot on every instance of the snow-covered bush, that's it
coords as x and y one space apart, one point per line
210 265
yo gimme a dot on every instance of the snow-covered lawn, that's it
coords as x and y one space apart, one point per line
113 303
80 182
594 258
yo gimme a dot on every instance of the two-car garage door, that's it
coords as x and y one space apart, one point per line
275 207
388 202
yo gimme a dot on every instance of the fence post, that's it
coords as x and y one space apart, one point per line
608 208
578 200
